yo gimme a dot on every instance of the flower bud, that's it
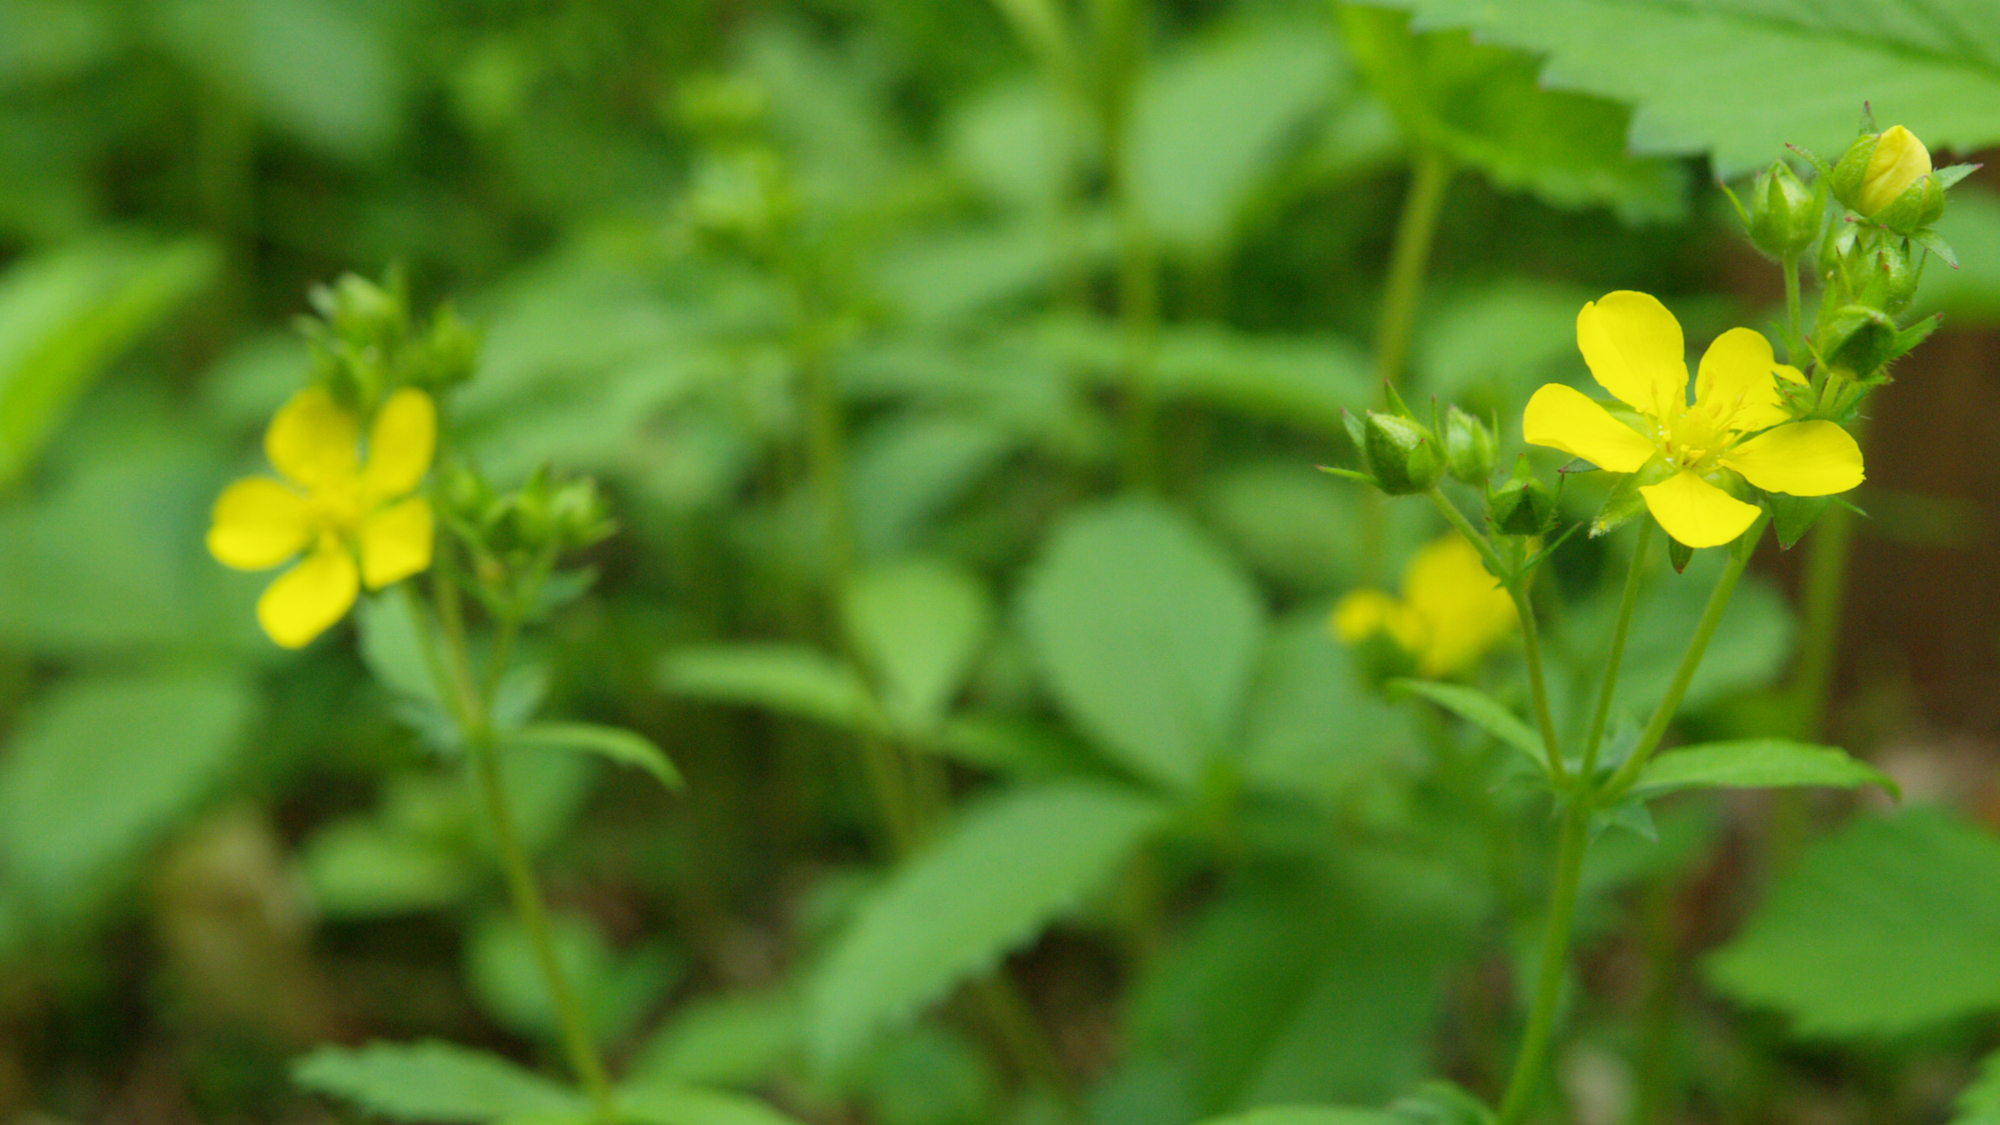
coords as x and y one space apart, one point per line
1894 283
1401 454
1881 169
579 515
1469 452
1784 213
1858 339
1836 248
1523 505
1920 205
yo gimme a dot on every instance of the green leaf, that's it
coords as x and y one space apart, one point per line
434 1081
1210 122
1756 763
918 625
628 748
1884 928
1691 69
1749 648
614 989
1027 856
64 316
911 468
1979 1103
358 868
792 679
392 646
1483 711
1484 107
1148 634
731 1039
101 767
1311 729
650 1103
1309 1115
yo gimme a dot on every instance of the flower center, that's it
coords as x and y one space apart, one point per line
1692 441
339 506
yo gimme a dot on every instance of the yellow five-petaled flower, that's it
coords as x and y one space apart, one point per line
1737 422
332 506
1450 613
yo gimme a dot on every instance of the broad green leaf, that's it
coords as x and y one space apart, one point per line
1027 857
434 1081
651 1103
731 1039
1148 635
948 276
918 625
1311 730
614 989
64 316
1884 928
911 468
1725 78
793 679
1979 1103
626 747
931 1075
1210 123
1302 382
1756 763
1017 143
1309 1115
358 868
1483 711
1483 107
1302 985
1292 524
1489 348
100 767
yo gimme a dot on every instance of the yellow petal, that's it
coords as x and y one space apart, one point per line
1735 386
1696 512
1634 348
1463 608
400 444
1803 459
1792 374
1361 614
1898 160
312 440
311 596
258 523
396 542
1562 417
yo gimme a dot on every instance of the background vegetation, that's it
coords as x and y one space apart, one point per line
851 305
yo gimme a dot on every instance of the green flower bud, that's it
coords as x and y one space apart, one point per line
1893 285
1469 451
1887 177
1784 213
1859 340
1837 248
1920 205
1402 455
579 514
465 499
1523 505
449 355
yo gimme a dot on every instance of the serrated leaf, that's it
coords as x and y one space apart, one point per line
99 768
651 1103
792 679
1884 928
1756 763
1691 70
1148 634
434 1081
918 625
66 315
993 882
1483 711
1483 107
626 747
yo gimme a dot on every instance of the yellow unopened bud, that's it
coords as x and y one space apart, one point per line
1899 160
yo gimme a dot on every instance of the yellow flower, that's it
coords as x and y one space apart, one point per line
1634 348
1450 613
1899 160
331 506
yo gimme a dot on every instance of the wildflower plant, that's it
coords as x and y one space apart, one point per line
373 516
1758 442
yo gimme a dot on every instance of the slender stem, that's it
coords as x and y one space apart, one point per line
1555 958
1609 687
1531 641
1704 631
1795 343
475 728
1138 308
1408 259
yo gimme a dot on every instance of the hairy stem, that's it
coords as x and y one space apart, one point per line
1555 958
1609 688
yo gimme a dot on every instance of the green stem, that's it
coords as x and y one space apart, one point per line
1138 312
1609 687
1409 257
1704 631
1555 958
1795 343
476 731
1531 641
